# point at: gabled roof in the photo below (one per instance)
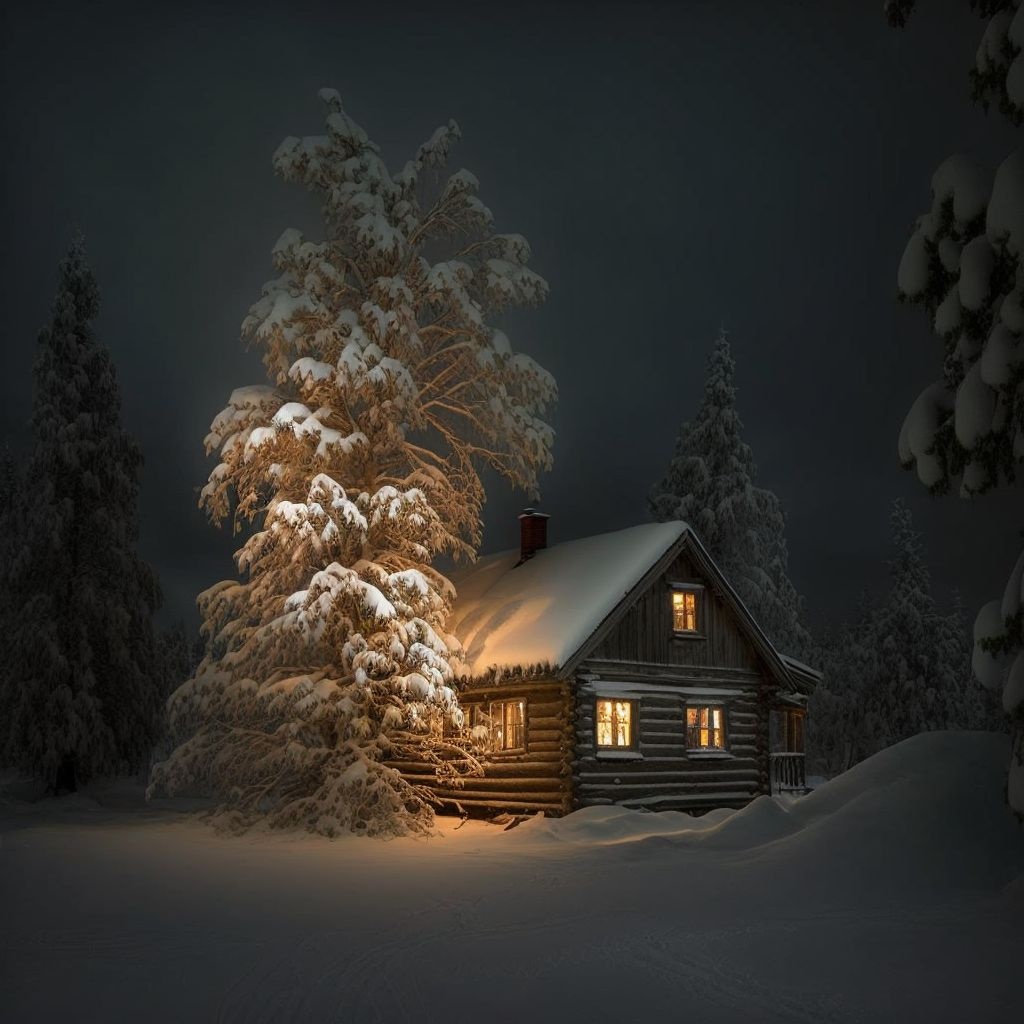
(551, 610)
(541, 613)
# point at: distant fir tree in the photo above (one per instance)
(834, 722)
(709, 483)
(919, 679)
(180, 656)
(85, 675)
(899, 668)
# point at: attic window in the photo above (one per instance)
(684, 611)
(705, 729)
(615, 725)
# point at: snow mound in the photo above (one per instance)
(928, 813)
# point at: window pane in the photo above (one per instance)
(604, 723)
(614, 723)
(678, 612)
(705, 728)
(684, 611)
(507, 721)
(515, 731)
(623, 723)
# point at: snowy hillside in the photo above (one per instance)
(894, 892)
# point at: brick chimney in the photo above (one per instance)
(533, 533)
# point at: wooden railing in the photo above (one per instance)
(787, 773)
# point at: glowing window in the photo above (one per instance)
(704, 728)
(507, 721)
(615, 723)
(684, 611)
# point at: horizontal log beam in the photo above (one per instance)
(511, 805)
(682, 786)
(552, 797)
(669, 777)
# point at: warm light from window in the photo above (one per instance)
(508, 725)
(684, 611)
(614, 723)
(704, 729)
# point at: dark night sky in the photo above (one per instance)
(673, 166)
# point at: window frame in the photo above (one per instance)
(710, 707)
(633, 749)
(476, 714)
(697, 589)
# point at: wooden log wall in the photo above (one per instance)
(538, 778)
(666, 776)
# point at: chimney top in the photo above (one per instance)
(533, 533)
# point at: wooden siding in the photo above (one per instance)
(538, 778)
(666, 775)
(645, 634)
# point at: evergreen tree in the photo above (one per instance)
(179, 655)
(835, 727)
(358, 464)
(919, 679)
(900, 667)
(709, 484)
(83, 698)
(964, 266)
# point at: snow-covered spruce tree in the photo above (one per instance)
(358, 464)
(84, 695)
(847, 659)
(916, 664)
(900, 666)
(709, 483)
(964, 265)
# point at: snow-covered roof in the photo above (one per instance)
(541, 613)
(800, 671)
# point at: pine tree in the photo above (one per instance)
(83, 699)
(964, 266)
(900, 667)
(847, 657)
(918, 682)
(709, 484)
(179, 656)
(358, 464)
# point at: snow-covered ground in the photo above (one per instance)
(895, 892)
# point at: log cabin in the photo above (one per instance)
(620, 669)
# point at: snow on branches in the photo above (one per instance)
(388, 389)
(964, 265)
